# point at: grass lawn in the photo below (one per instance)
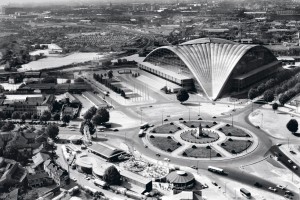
(233, 131)
(201, 152)
(195, 124)
(236, 146)
(211, 137)
(166, 128)
(165, 143)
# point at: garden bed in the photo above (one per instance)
(236, 146)
(195, 124)
(166, 128)
(164, 143)
(233, 131)
(201, 152)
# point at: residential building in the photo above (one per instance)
(59, 175)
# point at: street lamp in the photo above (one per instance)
(225, 186)
(262, 118)
(231, 119)
(199, 108)
(162, 117)
(141, 115)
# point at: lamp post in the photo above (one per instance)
(199, 108)
(141, 115)
(262, 119)
(231, 119)
(225, 186)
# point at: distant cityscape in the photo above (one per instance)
(160, 100)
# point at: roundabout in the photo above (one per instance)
(217, 141)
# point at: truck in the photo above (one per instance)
(141, 133)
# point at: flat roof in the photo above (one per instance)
(165, 71)
(285, 58)
(105, 150)
(135, 176)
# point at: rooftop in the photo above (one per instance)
(105, 150)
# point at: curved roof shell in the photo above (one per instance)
(211, 61)
(180, 178)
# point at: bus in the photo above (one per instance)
(145, 125)
(100, 183)
(245, 193)
(141, 133)
(215, 170)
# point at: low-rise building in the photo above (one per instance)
(135, 182)
(58, 174)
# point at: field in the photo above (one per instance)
(236, 146)
(164, 143)
(233, 131)
(166, 128)
(195, 124)
(201, 152)
(53, 62)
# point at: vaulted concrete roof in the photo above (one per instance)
(211, 61)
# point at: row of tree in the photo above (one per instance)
(107, 83)
(283, 81)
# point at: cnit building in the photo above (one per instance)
(212, 66)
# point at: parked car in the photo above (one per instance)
(290, 161)
(272, 189)
(194, 167)
(292, 152)
(204, 186)
(214, 183)
(295, 167)
(280, 187)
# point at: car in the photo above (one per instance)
(180, 118)
(290, 161)
(280, 187)
(74, 179)
(116, 130)
(167, 159)
(165, 120)
(214, 183)
(292, 152)
(204, 186)
(101, 130)
(63, 125)
(146, 146)
(214, 117)
(295, 167)
(272, 189)
(73, 166)
(278, 144)
(158, 155)
(258, 127)
(87, 178)
(194, 167)
(288, 193)
(151, 125)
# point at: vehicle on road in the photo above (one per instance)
(193, 167)
(288, 193)
(245, 193)
(215, 170)
(145, 125)
(204, 186)
(214, 183)
(74, 179)
(272, 189)
(290, 161)
(167, 159)
(100, 183)
(295, 167)
(141, 133)
(257, 184)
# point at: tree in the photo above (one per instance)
(2, 115)
(34, 116)
(15, 115)
(91, 126)
(275, 106)
(8, 126)
(88, 115)
(253, 93)
(112, 176)
(79, 80)
(269, 96)
(292, 126)
(46, 116)
(66, 119)
(182, 95)
(283, 99)
(104, 115)
(23, 117)
(56, 117)
(261, 88)
(110, 74)
(52, 131)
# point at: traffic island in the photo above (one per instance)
(230, 130)
(195, 124)
(201, 152)
(166, 128)
(167, 144)
(236, 146)
(192, 136)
